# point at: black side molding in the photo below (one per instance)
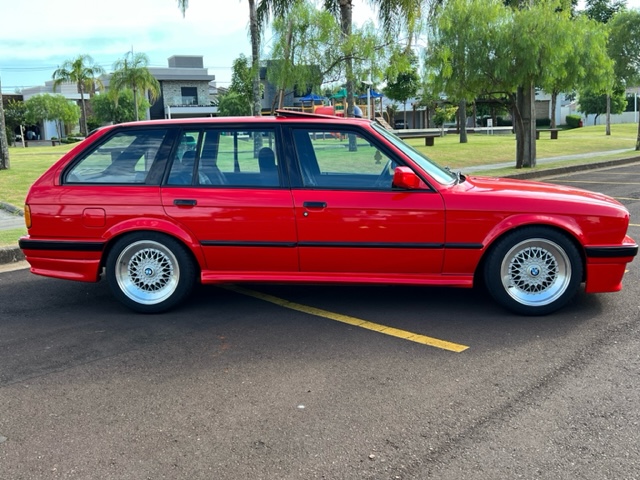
(611, 252)
(61, 246)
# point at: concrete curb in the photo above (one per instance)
(10, 255)
(550, 172)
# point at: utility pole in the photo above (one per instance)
(4, 145)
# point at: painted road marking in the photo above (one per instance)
(357, 322)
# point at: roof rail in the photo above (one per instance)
(296, 114)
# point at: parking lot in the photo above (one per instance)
(302, 382)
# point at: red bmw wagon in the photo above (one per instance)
(157, 206)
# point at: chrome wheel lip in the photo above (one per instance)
(147, 272)
(536, 272)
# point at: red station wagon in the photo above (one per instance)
(157, 206)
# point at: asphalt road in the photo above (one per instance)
(237, 387)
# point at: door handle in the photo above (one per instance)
(314, 205)
(184, 202)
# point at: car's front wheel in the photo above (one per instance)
(534, 271)
(149, 272)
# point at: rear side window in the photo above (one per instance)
(126, 157)
(226, 157)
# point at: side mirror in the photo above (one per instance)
(404, 177)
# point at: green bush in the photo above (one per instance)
(543, 122)
(573, 121)
(69, 140)
(504, 122)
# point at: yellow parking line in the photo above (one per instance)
(634, 224)
(357, 322)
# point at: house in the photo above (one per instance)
(184, 89)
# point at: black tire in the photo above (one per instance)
(533, 271)
(150, 272)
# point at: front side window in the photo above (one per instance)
(126, 157)
(342, 159)
(230, 157)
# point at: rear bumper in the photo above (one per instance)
(68, 260)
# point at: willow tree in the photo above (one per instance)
(85, 73)
(624, 48)
(484, 48)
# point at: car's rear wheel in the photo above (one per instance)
(534, 271)
(150, 272)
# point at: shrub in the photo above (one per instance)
(573, 121)
(543, 122)
(504, 122)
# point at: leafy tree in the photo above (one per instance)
(116, 106)
(303, 37)
(624, 48)
(55, 108)
(132, 72)
(233, 104)
(586, 65)
(507, 52)
(242, 85)
(405, 85)
(14, 115)
(84, 72)
(595, 102)
(603, 10)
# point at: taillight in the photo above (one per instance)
(27, 216)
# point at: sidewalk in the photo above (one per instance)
(11, 217)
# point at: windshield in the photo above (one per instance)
(438, 173)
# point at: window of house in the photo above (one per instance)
(189, 96)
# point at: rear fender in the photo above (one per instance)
(155, 225)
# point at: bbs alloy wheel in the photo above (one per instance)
(150, 272)
(534, 271)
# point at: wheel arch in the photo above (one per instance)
(568, 228)
(188, 241)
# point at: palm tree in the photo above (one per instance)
(390, 11)
(84, 72)
(254, 34)
(131, 72)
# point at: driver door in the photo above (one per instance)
(350, 219)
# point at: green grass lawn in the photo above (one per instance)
(29, 163)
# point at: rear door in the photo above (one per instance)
(227, 186)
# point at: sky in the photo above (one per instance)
(39, 39)
(42, 37)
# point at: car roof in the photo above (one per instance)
(281, 116)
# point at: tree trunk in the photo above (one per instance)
(608, 122)
(462, 111)
(526, 130)
(638, 137)
(135, 102)
(4, 146)
(83, 126)
(287, 52)
(255, 56)
(346, 21)
(554, 100)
